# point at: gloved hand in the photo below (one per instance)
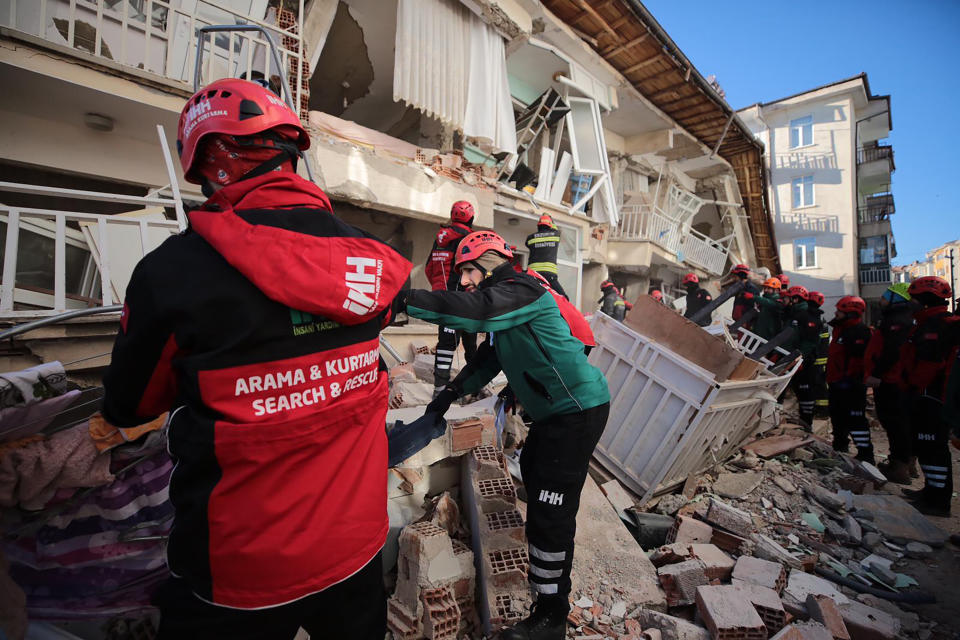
(509, 399)
(442, 402)
(748, 296)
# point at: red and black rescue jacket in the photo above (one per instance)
(929, 352)
(845, 354)
(882, 359)
(258, 328)
(439, 267)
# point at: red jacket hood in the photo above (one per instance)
(348, 278)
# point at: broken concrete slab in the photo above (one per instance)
(730, 518)
(866, 623)
(670, 504)
(671, 627)
(801, 585)
(825, 611)
(769, 549)
(670, 554)
(918, 549)
(605, 550)
(826, 498)
(727, 615)
(737, 485)
(766, 602)
(680, 581)
(763, 573)
(784, 484)
(618, 497)
(688, 531)
(803, 631)
(776, 445)
(727, 541)
(897, 520)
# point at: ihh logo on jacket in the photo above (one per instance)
(363, 284)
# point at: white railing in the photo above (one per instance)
(705, 252)
(875, 274)
(92, 253)
(647, 223)
(160, 36)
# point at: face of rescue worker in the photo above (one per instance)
(470, 277)
(769, 290)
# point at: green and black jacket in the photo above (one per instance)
(544, 246)
(530, 342)
(769, 320)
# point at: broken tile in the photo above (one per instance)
(737, 485)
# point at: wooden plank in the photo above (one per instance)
(615, 51)
(671, 90)
(596, 16)
(776, 445)
(642, 65)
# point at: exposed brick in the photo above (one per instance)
(825, 611)
(728, 615)
(508, 560)
(760, 572)
(734, 520)
(489, 463)
(803, 631)
(670, 554)
(497, 488)
(441, 615)
(766, 602)
(717, 565)
(401, 621)
(466, 435)
(632, 626)
(508, 610)
(727, 541)
(680, 581)
(686, 530)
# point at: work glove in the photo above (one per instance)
(509, 400)
(442, 402)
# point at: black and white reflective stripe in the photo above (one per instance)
(861, 438)
(545, 568)
(547, 556)
(545, 573)
(935, 476)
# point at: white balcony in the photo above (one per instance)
(875, 274)
(159, 37)
(704, 252)
(648, 223)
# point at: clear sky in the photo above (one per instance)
(762, 51)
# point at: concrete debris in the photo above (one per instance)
(826, 498)
(680, 581)
(734, 520)
(918, 550)
(727, 615)
(898, 521)
(670, 504)
(670, 554)
(766, 602)
(802, 455)
(909, 621)
(717, 565)
(760, 572)
(769, 549)
(804, 631)
(866, 623)
(785, 485)
(825, 611)
(871, 540)
(737, 485)
(854, 530)
(670, 627)
(776, 445)
(801, 585)
(687, 530)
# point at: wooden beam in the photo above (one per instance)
(695, 110)
(615, 51)
(596, 16)
(667, 105)
(642, 65)
(622, 20)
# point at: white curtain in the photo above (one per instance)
(452, 66)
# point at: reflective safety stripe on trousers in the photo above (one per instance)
(934, 475)
(539, 557)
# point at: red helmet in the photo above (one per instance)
(462, 212)
(930, 284)
(691, 277)
(798, 292)
(816, 298)
(741, 269)
(546, 221)
(852, 305)
(607, 284)
(784, 280)
(657, 295)
(233, 107)
(478, 243)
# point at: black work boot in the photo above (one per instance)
(547, 621)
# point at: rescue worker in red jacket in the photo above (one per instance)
(439, 271)
(815, 302)
(258, 330)
(697, 298)
(746, 299)
(544, 245)
(881, 370)
(848, 395)
(925, 362)
(657, 295)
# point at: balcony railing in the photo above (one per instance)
(880, 152)
(704, 252)
(58, 260)
(160, 36)
(877, 209)
(875, 274)
(645, 222)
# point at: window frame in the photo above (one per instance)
(804, 123)
(810, 248)
(802, 181)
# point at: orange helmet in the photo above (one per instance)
(773, 283)
(852, 305)
(690, 277)
(546, 221)
(233, 107)
(478, 243)
(797, 291)
(462, 212)
(930, 284)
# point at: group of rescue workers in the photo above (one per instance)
(907, 360)
(280, 517)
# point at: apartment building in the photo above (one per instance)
(830, 187)
(944, 261)
(583, 110)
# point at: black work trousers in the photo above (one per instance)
(848, 402)
(554, 283)
(931, 439)
(447, 340)
(355, 608)
(889, 402)
(554, 463)
(803, 384)
(821, 401)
